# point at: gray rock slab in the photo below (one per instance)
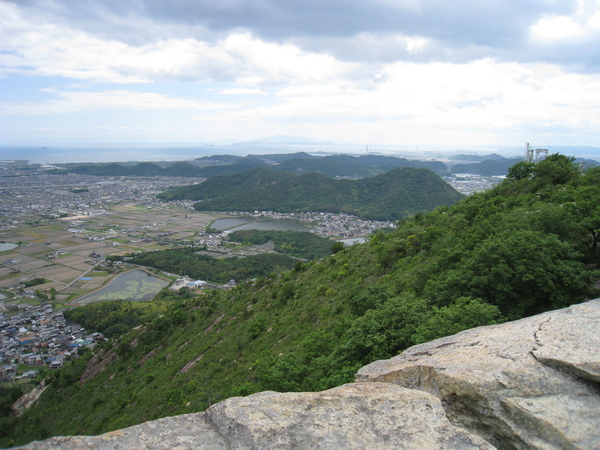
(187, 431)
(531, 383)
(353, 416)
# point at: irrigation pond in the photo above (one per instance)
(135, 285)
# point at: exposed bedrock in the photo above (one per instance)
(531, 383)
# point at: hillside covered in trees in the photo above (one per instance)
(299, 163)
(394, 195)
(527, 246)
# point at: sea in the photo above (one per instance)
(148, 152)
(57, 154)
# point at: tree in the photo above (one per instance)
(462, 314)
(555, 169)
(337, 247)
(523, 272)
(520, 171)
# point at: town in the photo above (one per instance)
(37, 337)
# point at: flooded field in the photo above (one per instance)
(5, 246)
(135, 285)
(63, 251)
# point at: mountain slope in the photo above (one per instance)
(394, 195)
(354, 166)
(515, 400)
(301, 162)
(527, 246)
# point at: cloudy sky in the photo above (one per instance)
(395, 72)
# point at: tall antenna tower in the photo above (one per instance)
(533, 155)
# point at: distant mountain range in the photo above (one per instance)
(286, 140)
(343, 166)
(394, 195)
(209, 166)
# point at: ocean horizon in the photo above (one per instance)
(88, 153)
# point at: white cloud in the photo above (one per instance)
(557, 27)
(415, 44)
(39, 48)
(72, 102)
(242, 91)
(594, 21)
(373, 70)
(438, 103)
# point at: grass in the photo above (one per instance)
(58, 306)
(31, 301)
(25, 367)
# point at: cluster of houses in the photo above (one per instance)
(334, 225)
(40, 337)
(43, 194)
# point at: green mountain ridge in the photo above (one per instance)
(529, 245)
(347, 166)
(393, 195)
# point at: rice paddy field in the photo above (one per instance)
(64, 252)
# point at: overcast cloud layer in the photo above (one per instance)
(396, 72)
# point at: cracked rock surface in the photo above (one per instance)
(353, 416)
(531, 383)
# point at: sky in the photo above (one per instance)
(369, 72)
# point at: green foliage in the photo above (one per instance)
(114, 317)
(146, 169)
(34, 282)
(521, 170)
(462, 314)
(556, 169)
(8, 395)
(522, 272)
(527, 246)
(490, 167)
(337, 247)
(186, 262)
(298, 244)
(333, 166)
(354, 166)
(393, 195)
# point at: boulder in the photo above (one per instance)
(531, 383)
(353, 416)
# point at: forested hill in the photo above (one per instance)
(394, 195)
(147, 169)
(211, 166)
(354, 166)
(527, 246)
(299, 163)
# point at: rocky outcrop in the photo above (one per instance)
(29, 399)
(356, 415)
(531, 383)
